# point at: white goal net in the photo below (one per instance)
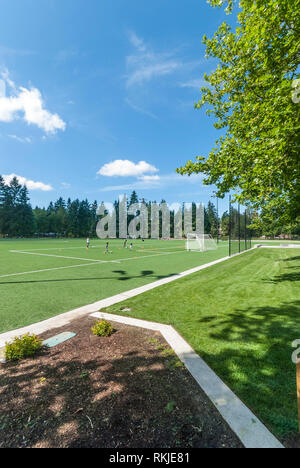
(200, 242)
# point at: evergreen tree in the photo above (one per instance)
(225, 224)
(133, 198)
(212, 219)
(16, 216)
(25, 221)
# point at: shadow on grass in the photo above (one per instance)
(251, 350)
(286, 277)
(123, 277)
(290, 259)
(293, 276)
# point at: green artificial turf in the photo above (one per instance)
(241, 317)
(45, 281)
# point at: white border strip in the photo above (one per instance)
(248, 428)
(285, 246)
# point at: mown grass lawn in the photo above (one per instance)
(241, 317)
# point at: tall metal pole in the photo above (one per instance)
(239, 214)
(246, 240)
(218, 223)
(229, 237)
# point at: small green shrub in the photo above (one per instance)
(102, 328)
(22, 347)
(170, 407)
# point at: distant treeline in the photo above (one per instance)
(71, 218)
(75, 218)
(18, 218)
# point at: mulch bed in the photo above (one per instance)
(292, 441)
(124, 391)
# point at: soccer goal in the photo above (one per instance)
(200, 242)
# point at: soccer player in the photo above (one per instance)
(106, 248)
(88, 243)
(125, 244)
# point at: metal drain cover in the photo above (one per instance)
(57, 339)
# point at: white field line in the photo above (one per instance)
(156, 250)
(148, 256)
(48, 269)
(52, 248)
(93, 262)
(58, 256)
(92, 247)
(164, 248)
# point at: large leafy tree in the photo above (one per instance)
(252, 97)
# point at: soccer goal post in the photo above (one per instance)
(200, 242)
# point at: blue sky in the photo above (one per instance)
(97, 97)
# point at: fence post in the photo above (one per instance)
(229, 226)
(239, 214)
(246, 243)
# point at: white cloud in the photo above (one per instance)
(158, 182)
(28, 104)
(149, 178)
(137, 41)
(139, 109)
(145, 64)
(5, 75)
(149, 67)
(9, 51)
(19, 139)
(196, 84)
(66, 54)
(30, 184)
(126, 168)
(2, 88)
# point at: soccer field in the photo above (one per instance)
(43, 278)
